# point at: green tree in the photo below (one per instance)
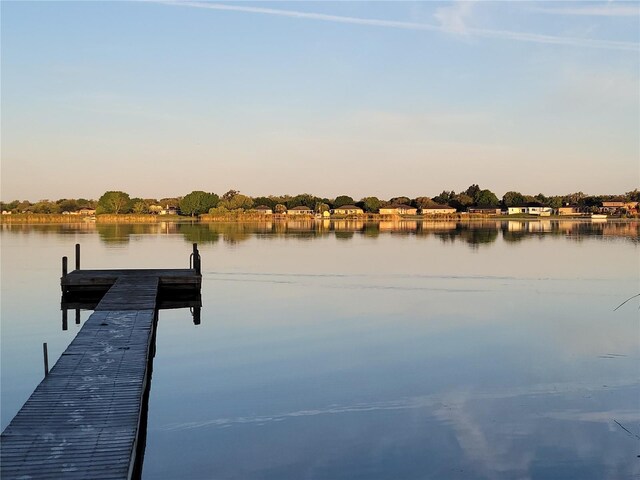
(400, 201)
(423, 202)
(198, 202)
(321, 207)
(45, 206)
(461, 201)
(473, 191)
(268, 201)
(632, 196)
(230, 194)
(486, 198)
(370, 204)
(513, 199)
(236, 202)
(303, 199)
(65, 205)
(342, 200)
(280, 208)
(445, 197)
(574, 199)
(139, 206)
(114, 202)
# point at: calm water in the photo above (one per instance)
(345, 351)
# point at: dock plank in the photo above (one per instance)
(82, 420)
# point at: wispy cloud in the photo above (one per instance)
(453, 17)
(610, 10)
(448, 25)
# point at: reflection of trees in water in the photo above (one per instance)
(121, 232)
(479, 236)
(114, 232)
(341, 235)
(472, 233)
(198, 233)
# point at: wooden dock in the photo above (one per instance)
(87, 418)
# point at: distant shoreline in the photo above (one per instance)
(45, 218)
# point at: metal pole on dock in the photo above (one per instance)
(77, 256)
(64, 266)
(46, 359)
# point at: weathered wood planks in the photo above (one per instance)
(82, 420)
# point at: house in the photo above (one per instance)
(484, 210)
(532, 208)
(348, 210)
(169, 210)
(398, 210)
(438, 210)
(538, 209)
(618, 206)
(516, 210)
(301, 210)
(264, 210)
(87, 211)
(568, 210)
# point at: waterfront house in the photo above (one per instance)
(87, 211)
(438, 210)
(532, 208)
(568, 210)
(169, 210)
(301, 210)
(264, 210)
(348, 210)
(484, 210)
(618, 206)
(398, 210)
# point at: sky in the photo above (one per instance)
(159, 98)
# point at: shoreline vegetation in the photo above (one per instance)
(474, 202)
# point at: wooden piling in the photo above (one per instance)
(64, 266)
(77, 256)
(45, 353)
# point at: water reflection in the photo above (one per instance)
(331, 350)
(473, 233)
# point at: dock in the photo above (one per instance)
(87, 418)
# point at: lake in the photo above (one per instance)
(345, 350)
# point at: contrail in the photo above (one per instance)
(478, 32)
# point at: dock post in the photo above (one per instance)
(46, 359)
(77, 316)
(196, 258)
(77, 256)
(64, 266)
(65, 324)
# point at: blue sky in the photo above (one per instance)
(359, 98)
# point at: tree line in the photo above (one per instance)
(198, 202)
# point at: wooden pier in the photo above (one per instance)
(87, 418)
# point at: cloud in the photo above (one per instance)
(628, 10)
(453, 18)
(450, 22)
